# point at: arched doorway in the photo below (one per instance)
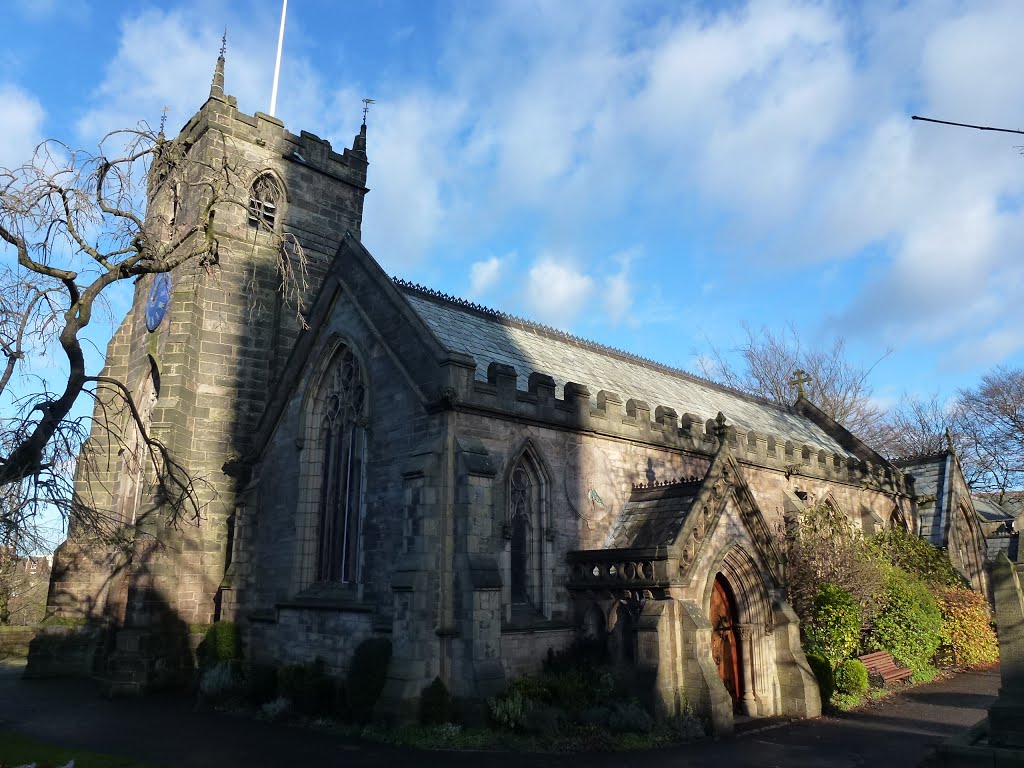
(725, 640)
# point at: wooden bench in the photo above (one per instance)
(883, 665)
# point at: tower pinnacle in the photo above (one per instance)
(217, 87)
(359, 145)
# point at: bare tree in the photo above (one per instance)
(990, 424)
(77, 223)
(983, 424)
(837, 386)
(24, 580)
(918, 426)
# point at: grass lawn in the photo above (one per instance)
(16, 749)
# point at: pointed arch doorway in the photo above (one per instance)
(725, 639)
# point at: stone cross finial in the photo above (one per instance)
(800, 378)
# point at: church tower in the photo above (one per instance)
(200, 349)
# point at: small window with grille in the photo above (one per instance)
(264, 197)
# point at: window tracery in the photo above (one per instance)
(528, 539)
(521, 518)
(342, 443)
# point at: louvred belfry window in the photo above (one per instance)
(342, 441)
(264, 198)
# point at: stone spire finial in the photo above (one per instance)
(217, 87)
(721, 428)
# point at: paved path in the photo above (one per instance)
(164, 730)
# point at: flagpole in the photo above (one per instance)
(277, 64)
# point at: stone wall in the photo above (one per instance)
(212, 362)
(275, 591)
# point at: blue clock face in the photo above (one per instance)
(159, 298)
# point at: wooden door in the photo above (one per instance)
(725, 648)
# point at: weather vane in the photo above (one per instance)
(366, 108)
(224, 43)
(163, 118)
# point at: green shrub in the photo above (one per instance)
(569, 681)
(545, 719)
(852, 678)
(924, 675)
(844, 701)
(535, 688)
(968, 638)
(276, 709)
(509, 710)
(822, 669)
(307, 687)
(834, 628)
(630, 718)
(435, 704)
(909, 624)
(222, 684)
(221, 643)
(366, 677)
(917, 557)
(260, 684)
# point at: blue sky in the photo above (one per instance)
(647, 174)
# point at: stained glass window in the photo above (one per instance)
(341, 438)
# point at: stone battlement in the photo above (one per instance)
(606, 413)
(262, 130)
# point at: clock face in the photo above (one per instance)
(159, 298)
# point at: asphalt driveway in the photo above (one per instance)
(166, 730)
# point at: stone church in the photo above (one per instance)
(475, 487)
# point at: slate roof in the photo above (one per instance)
(489, 336)
(989, 511)
(926, 471)
(654, 516)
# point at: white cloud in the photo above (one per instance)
(167, 58)
(618, 297)
(483, 275)
(618, 291)
(21, 118)
(988, 349)
(556, 292)
(406, 144)
(782, 124)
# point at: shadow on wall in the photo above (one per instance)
(122, 632)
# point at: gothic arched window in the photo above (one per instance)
(341, 439)
(527, 534)
(264, 200)
(524, 536)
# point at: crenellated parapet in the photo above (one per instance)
(610, 414)
(266, 131)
